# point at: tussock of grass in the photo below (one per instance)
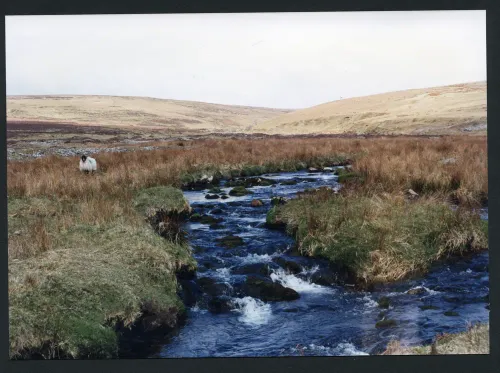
(380, 238)
(475, 340)
(161, 198)
(66, 299)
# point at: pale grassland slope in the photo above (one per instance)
(142, 112)
(451, 109)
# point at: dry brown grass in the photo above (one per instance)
(68, 232)
(388, 165)
(393, 164)
(475, 340)
(453, 167)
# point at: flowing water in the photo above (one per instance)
(325, 320)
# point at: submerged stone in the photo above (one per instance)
(212, 196)
(267, 290)
(230, 241)
(262, 269)
(207, 219)
(386, 323)
(383, 302)
(325, 277)
(416, 291)
(220, 304)
(289, 182)
(239, 191)
(256, 203)
(288, 265)
(428, 307)
(212, 287)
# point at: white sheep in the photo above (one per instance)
(88, 164)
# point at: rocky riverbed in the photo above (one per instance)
(254, 295)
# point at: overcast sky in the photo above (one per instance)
(281, 60)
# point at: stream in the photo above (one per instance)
(327, 320)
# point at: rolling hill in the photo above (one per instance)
(450, 109)
(138, 112)
(453, 109)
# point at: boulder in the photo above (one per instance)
(411, 193)
(324, 276)
(212, 196)
(384, 302)
(288, 265)
(416, 291)
(190, 292)
(230, 241)
(207, 219)
(221, 304)
(212, 287)
(216, 226)
(239, 191)
(449, 161)
(263, 269)
(256, 203)
(267, 290)
(289, 182)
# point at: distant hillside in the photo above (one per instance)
(137, 112)
(451, 109)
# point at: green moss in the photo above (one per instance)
(161, 198)
(239, 191)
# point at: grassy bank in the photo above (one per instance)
(83, 255)
(475, 340)
(380, 238)
(78, 268)
(84, 251)
(375, 228)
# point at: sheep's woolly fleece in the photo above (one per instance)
(90, 164)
